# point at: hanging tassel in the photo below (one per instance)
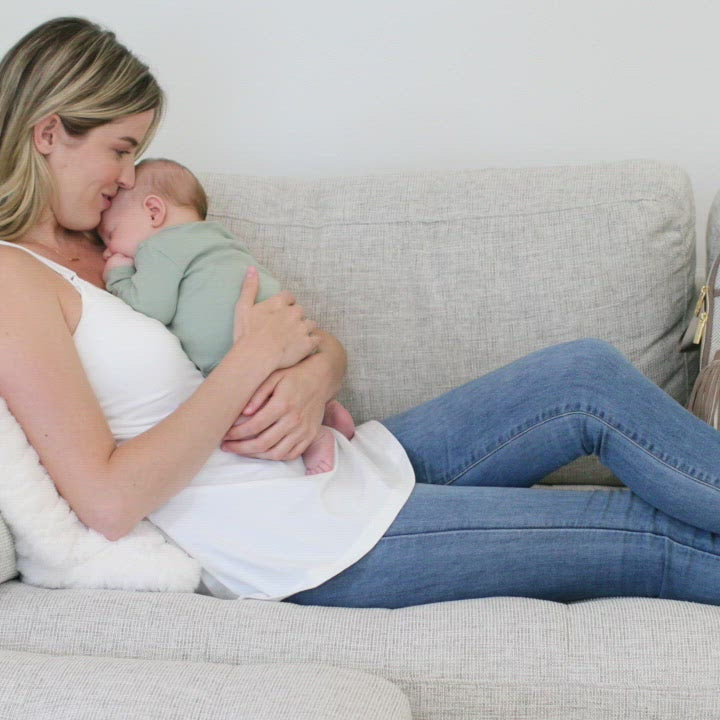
(705, 398)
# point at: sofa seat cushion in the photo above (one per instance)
(495, 657)
(44, 687)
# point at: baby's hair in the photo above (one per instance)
(172, 182)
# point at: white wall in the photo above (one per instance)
(329, 87)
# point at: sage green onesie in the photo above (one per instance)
(189, 278)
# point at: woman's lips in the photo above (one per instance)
(107, 201)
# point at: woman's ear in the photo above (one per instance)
(46, 134)
(156, 208)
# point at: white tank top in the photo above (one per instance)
(260, 529)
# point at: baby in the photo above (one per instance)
(166, 261)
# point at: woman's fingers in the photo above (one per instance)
(261, 395)
(289, 448)
(287, 297)
(278, 322)
(246, 300)
(266, 426)
(250, 287)
(273, 444)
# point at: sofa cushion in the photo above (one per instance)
(496, 657)
(43, 687)
(432, 279)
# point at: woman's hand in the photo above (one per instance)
(282, 418)
(277, 325)
(284, 414)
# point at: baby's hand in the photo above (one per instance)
(115, 260)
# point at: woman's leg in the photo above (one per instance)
(452, 543)
(517, 424)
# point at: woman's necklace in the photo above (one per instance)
(74, 258)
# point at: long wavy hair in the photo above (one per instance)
(78, 70)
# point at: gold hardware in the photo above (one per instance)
(702, 322)
(703, 294)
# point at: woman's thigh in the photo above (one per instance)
(452, 543)
(517, 424)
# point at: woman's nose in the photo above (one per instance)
(127, 177)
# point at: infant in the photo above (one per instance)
(166, 261)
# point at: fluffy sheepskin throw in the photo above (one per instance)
(54, 549)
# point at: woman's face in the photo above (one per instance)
(89, 169)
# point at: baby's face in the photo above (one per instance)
(125, 224)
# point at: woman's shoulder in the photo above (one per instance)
(14, 258)
(34, 295)
(19, 265)
(27, 281)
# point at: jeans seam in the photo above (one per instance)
(666, 538)
(666, 568)
(586, 414)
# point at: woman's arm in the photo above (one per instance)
(287, 410)
(112, 488)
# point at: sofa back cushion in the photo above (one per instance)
(432, 279)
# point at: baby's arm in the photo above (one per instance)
(150, 285)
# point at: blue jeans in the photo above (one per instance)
(473, 527)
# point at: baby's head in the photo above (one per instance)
(165, 193)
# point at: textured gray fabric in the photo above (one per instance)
(43, 687)
(431, 280)
(713, 231)
(7, 553)
(496, 657)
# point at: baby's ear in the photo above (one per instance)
(156, 208)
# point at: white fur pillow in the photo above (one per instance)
(54, 549)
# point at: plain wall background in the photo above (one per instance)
(339, 87)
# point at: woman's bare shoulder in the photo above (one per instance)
(33, 297)
(22, 273)
(16, 259)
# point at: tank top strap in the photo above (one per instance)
(70, 275)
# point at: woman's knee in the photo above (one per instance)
(594, 348)
(593, 361)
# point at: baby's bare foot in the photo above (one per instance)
(322, 467)
(320, 454)
(337, 416)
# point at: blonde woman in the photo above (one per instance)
(430, 505)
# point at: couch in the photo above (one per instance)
(491, 264)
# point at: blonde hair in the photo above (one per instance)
(172, 182)
(75, 68)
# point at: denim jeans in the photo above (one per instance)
(473, 527)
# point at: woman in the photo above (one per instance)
(365, 535)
